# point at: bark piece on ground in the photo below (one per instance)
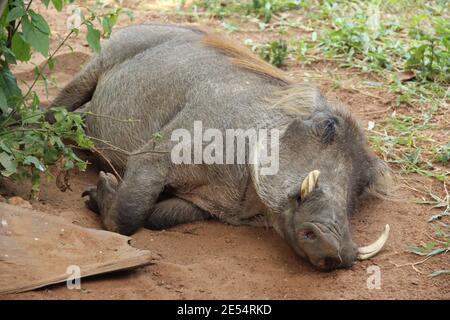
(36, 250)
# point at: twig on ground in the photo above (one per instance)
(412, 264)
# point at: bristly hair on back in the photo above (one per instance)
(244, 58)
(297, 99)
(291, 97)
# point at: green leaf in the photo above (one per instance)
(157, 136)
(4, 147)
(9, 86)
(46, 3)
(436, 252)
(59, 4)
(439, 273)
(20, 47)
(51, 63)
(426, 250)
(55, 140)
(9, 55)
(35, 183)
(35, 161)
(417, 250)
(93, 38)
(35, 37)
(39, 22)
(51, 155)
(130, 14)
(416, 58)
(15, 13)
(68, 165)
(107, 25)
(3, 102)
(8, 163)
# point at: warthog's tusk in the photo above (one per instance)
(372, 249)
(309, 183)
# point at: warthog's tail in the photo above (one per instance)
(81, 88)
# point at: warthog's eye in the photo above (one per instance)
(295, 195)
(306, 235)
(298, 197)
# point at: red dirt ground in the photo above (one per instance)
(212, 260)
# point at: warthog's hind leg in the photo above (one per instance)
(174, 211)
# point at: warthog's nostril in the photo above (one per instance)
(330, 263)
(306, 235)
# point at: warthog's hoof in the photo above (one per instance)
(91, 203)
(107, 185)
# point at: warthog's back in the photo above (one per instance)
(165, 77)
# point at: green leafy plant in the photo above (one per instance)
(442, 153)
(428, 249)
(430, 55)
(263, 9)
(440, 246)
(29, 144)
(274, 52)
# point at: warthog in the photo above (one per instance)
(165, 77)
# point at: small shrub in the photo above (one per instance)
(29, 144)
(275, 52)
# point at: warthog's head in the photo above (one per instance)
(325, 166)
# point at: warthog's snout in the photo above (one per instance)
(327, 250)
(323, 247)
(318, 227)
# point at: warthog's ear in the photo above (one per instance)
(323, 125)
(318, 124)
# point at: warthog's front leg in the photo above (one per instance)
(101, 197)
(125, 208)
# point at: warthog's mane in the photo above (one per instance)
(243, 57)
(291, 97)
